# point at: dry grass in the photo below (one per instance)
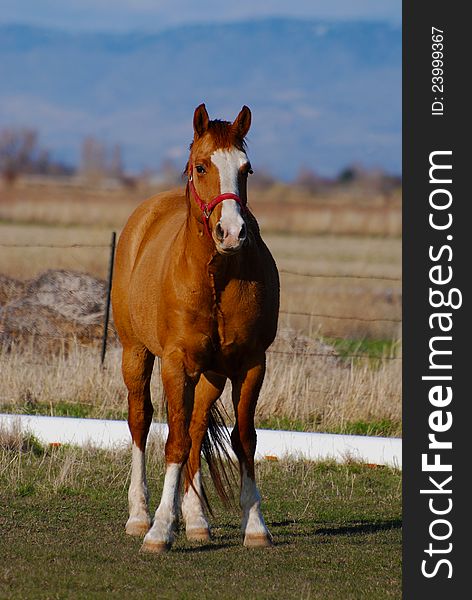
(54, 204)
(62, 467)
(279, 208)
(27, 250)
(343, 297)
(322, 394)
(326, 216)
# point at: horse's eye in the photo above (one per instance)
(250, 171)
(200, 169)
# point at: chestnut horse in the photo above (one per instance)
(196, 285)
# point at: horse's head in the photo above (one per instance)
(218, 168)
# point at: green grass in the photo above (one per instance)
(58, 409)
(337, 530)
(283, 423)
(374, 348)
(382, 427)
(63, 409)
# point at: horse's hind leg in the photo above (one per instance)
(137, 367)
(207, 391)
(246, 390)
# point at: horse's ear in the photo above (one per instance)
(242, 123)
(200, 120)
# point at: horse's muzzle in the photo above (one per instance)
(229, 240)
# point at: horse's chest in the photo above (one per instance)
(237, 314)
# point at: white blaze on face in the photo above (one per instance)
(228, 163)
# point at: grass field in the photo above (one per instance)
(337, 531)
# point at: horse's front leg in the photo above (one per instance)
(246, 388)
(179, 389)
(208, 390)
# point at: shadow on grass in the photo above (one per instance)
(310, 530)
(286, 533)
(206, 547)
(361, 528)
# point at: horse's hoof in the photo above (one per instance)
(137, 527)
(152, 547)
(198, 534)
(258, 540)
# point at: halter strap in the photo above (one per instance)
(207, 209)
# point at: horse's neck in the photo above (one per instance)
(197, 246)
(199, 249)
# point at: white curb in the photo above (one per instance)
(270, 444)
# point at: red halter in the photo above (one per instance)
(207, 209)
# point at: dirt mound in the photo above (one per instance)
(53, 310)
(296, 342)
(10, 289)
(75, 296)
(292, 342)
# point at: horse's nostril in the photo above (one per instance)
(242, 233)
(220, 234)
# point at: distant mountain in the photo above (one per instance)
(323, 95)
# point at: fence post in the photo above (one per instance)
(107, 306)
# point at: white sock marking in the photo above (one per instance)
(166, 514)
(253, 521)
(138, 495)
(192, 509)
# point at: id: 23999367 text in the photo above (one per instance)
(437, 71)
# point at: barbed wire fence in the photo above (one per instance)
(313, 275)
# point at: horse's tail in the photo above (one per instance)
(216, 451)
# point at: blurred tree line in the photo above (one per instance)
(21, 154)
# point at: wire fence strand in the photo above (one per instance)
(54, 245)
(339, 275)
(294, 353)
(282, 311)
(345, 317)
(285, 271)
(331, 355)
(84, 342)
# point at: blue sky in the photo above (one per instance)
(42, 100)
(154, 15)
